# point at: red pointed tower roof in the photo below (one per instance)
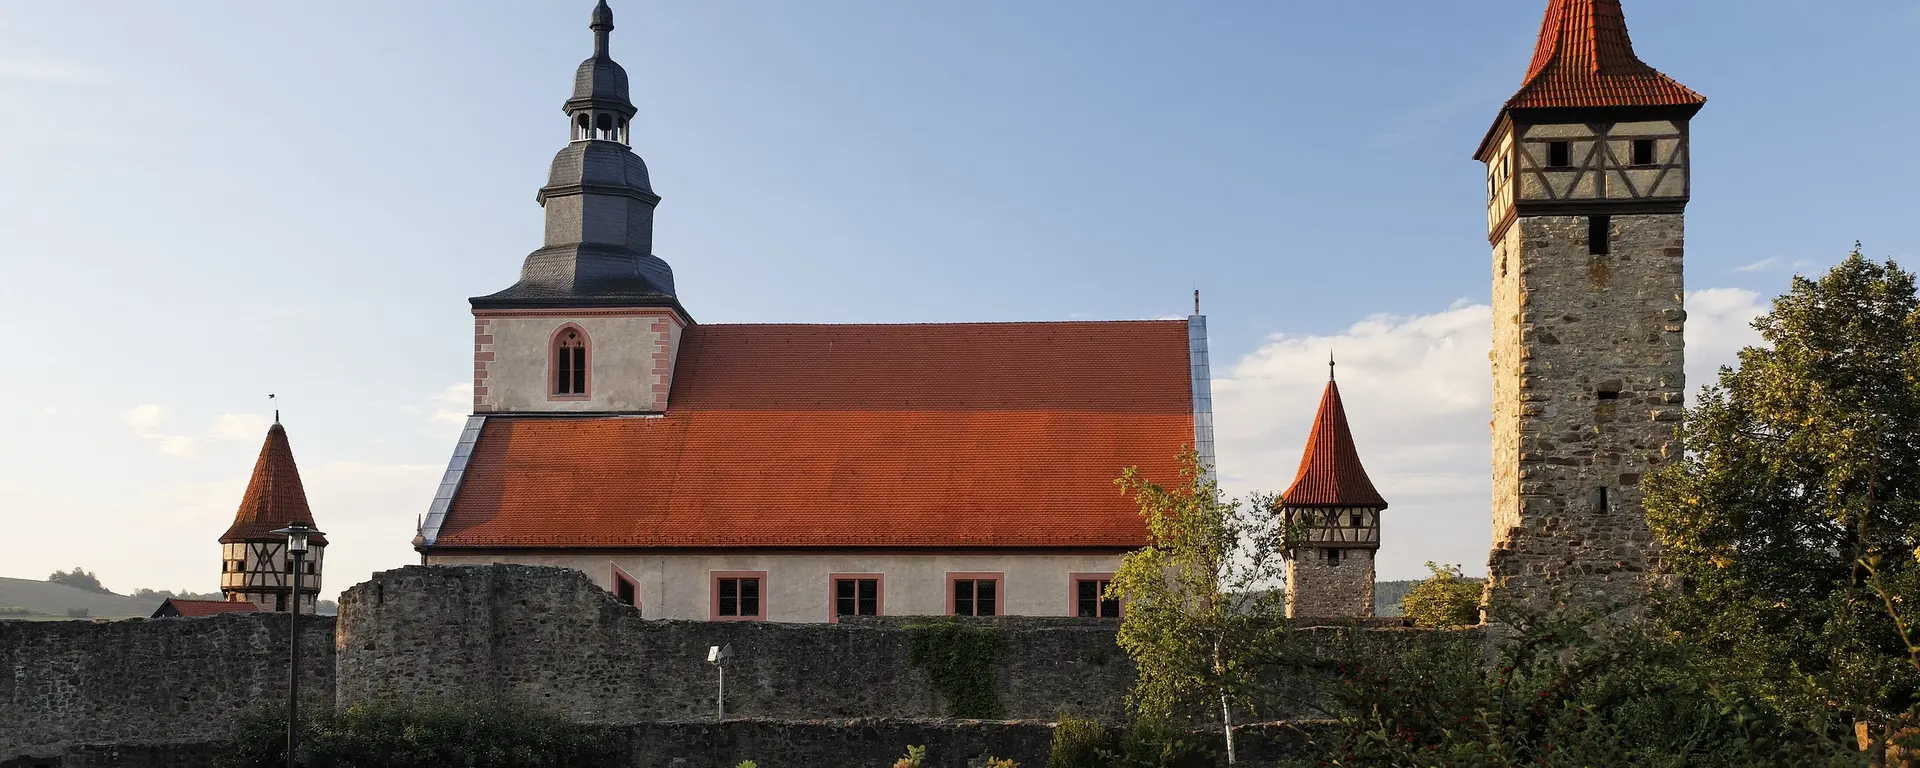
(274, 497)
(1330, 472)
(1585, 59)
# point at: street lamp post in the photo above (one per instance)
(297, 535)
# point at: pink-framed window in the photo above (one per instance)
(625, 587)
(975, 594)
(739, 595)
(570, 365)
(1089, 596)
(856, 594)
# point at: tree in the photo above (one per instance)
(1445, 599)
(1194, 633)
(79, 579)
(1792, 518)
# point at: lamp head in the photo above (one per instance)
(297, 536)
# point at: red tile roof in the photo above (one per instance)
(176, 607)
(1585, 59)
(274, 497)
(991, 435)
(1330, 472)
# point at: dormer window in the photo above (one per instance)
(570, 362)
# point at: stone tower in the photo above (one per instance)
(1332, 515)
(1587, 185)
(255, 566)
(593, 324)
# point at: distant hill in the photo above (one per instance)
(1387, 594)
(54, 600)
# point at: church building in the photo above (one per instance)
(792, 472)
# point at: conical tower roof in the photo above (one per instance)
(1330, 472)
(275, 499)
(1585, 59)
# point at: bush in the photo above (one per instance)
(1156, 745)
(916, 755)
(963, 663)
(1078, 743)
(449, 733)
(1445, 599)
(78, 613)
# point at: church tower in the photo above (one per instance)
(255, 566)
(1332, 516)
(1587, 185)
(593, 325)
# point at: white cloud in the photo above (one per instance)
(28, 66)
(452, 406)
(145, 419)
(243, 427)
(1418, 393)
(1763, 264)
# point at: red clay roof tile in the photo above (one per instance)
(989, 435)
(1330, 473)
(275, 498)
(1585, 59)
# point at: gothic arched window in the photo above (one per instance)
(570, 362)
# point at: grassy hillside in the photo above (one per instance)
(54, 600)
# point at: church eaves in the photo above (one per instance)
(274, 499)
(1330, 473)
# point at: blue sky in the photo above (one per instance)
(204, 203)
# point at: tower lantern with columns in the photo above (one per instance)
(255, 566)
(1588, 178)
(1332, 517)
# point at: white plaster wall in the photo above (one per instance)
(622, 371)
(797, 585)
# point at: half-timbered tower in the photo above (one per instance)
(1587, 183)
(255, 566)
(1332, 517)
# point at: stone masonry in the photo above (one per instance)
(1589, 387)
(1318, 589)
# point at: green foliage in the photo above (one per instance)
(1078, 743)
(79, 579)
(1560, 696)
(747, 764)
(963, 661)
(14, 610)
(1147, 744)
(1445, 599)
(1001, 762)
(476, 735)
(1791, 517)
(78, 613)
(1198, 612)
(916, 755)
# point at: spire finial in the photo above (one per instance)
(1196, 301)
(1329, 365)
(602, 26)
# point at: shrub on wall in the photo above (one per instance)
(1445, 599)
(963, 661)
(448, 733)
(1078, 743)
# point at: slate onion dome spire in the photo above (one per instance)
(599, 203)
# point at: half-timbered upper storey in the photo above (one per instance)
(1593, 129)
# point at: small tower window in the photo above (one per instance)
(582, 128)
(1599, 234)
(1333, 558)
(1559, 154)
(1643, 151)
(570, 362)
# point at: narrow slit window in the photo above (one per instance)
(1643, 151)
(1601, 499)
(1333, 557)
(1609, 394)
(1599, 235)
(570, 363)
(1559, 154)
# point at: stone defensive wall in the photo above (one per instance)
(156, 692)
(68, 683)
